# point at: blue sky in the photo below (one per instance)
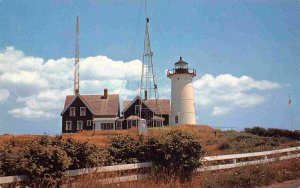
(246, 54)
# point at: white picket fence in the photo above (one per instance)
(231, 161)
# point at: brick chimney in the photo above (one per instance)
(105, 93)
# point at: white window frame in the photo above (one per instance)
(68, 126)
(137, 110)
(80, 121)
(83, 113)
(72, 109)
(89, 123)
(108, 126)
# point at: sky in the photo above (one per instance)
(246, 54)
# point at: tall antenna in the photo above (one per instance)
(148, 85)
(76, 72)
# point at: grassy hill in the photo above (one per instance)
(214, 141)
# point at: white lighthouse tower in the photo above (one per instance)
(182, 94)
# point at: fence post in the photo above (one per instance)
(234, 161)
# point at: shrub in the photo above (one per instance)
(127, 149)
(82, 154)
(44, 165)
(174, 154)
(224, 146)
(9, 159)
(46, 159)
(272, 132)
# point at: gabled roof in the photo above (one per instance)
(163, 105)
(96, 104)
(130, 102)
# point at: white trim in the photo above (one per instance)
(89, 123)
(137, 97)
(67, 126)
(82, 114)
(107, 126)
(105, 119)
(137, 112)
(71, 114)
(75, 97)
(80, 121)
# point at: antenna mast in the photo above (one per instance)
(76, 72)
(148, 85)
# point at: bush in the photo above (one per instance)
(272, 132)
(246, 142)
(174, 154)
(127, 149)
(82, 154)
(46, 159)
(44, 165)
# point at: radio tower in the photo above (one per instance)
(148, 85)
(76, 72)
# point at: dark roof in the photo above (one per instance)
(181, 62)
(97, 104)
(162, 104)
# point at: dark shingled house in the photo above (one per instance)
(155, 112)
(87, 112)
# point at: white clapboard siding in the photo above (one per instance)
(245, 155)
(265, 154)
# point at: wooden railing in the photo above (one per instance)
(232, 161)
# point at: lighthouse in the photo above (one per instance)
(182, 94)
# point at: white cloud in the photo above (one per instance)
(218, 110)
(4, 94)
(225, 93)
(28, 113)
(40, 86)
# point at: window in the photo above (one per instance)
(79, 125)
(107, 126)
(68, 125)
(89, 122)
(82, 111)
(176, 119)
(72, 111)
(137, 109)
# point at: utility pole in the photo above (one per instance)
(291, 112)
(76, 72)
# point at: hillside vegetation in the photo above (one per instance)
(175, 152)
(214, 141)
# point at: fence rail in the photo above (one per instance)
(288, 153)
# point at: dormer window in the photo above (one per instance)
(72, 111)
(82, 111)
